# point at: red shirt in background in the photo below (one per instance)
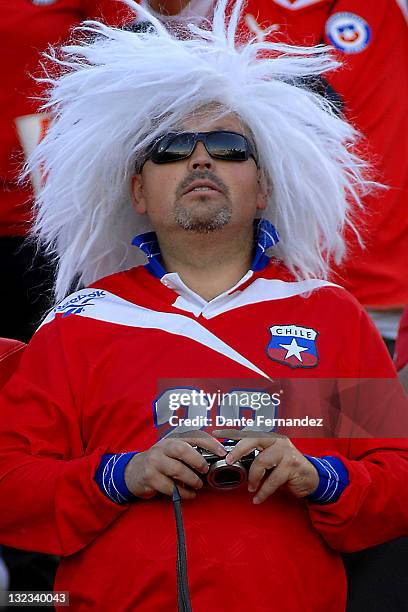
(27, 27)
(371, 39)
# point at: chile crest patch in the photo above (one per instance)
(348, 32)
(293, 345)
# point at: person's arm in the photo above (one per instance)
(49, 499)
(364, 499)
(362, 502)
(373, 508)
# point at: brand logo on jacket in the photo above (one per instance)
(293, 345)
(348, 32)
(79, 303)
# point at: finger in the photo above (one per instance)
(268, 459)
(185, 493)
(248, 441)
(159, 483)
(187, 454)
(242, 448)
(276, 479)
(203, 440)
(176, 470)
(255, 476)
(180, 449)
(164, 484)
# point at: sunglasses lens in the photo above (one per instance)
(228, 146)
(219, 144)
(173, 147)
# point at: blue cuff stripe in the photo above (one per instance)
(110, 477)
(333, 479)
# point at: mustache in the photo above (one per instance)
(201, 175)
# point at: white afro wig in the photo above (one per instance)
(117, 91)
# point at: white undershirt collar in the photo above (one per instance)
(190, 301)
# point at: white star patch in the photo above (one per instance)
(294, 349)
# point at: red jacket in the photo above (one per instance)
(90, 382)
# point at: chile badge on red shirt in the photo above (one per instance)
(293, 345)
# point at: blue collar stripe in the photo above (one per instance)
(149, 244)
(266, 236)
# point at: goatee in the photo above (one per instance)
(205, 215)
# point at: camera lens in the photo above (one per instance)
(223, 476)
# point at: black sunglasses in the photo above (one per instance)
(220, 144)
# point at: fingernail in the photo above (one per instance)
(257, 500)
(251, 488)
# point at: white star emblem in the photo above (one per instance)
(293, 349)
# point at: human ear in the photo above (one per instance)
(138, 200)
(264, 192)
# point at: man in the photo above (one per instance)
(196, 148)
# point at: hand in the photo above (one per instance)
(277, 453)
(155, 470)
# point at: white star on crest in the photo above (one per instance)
(293, 349)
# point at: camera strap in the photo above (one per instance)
(183, 594)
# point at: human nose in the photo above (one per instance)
(200, 159)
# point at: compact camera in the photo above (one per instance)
(224, 476)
